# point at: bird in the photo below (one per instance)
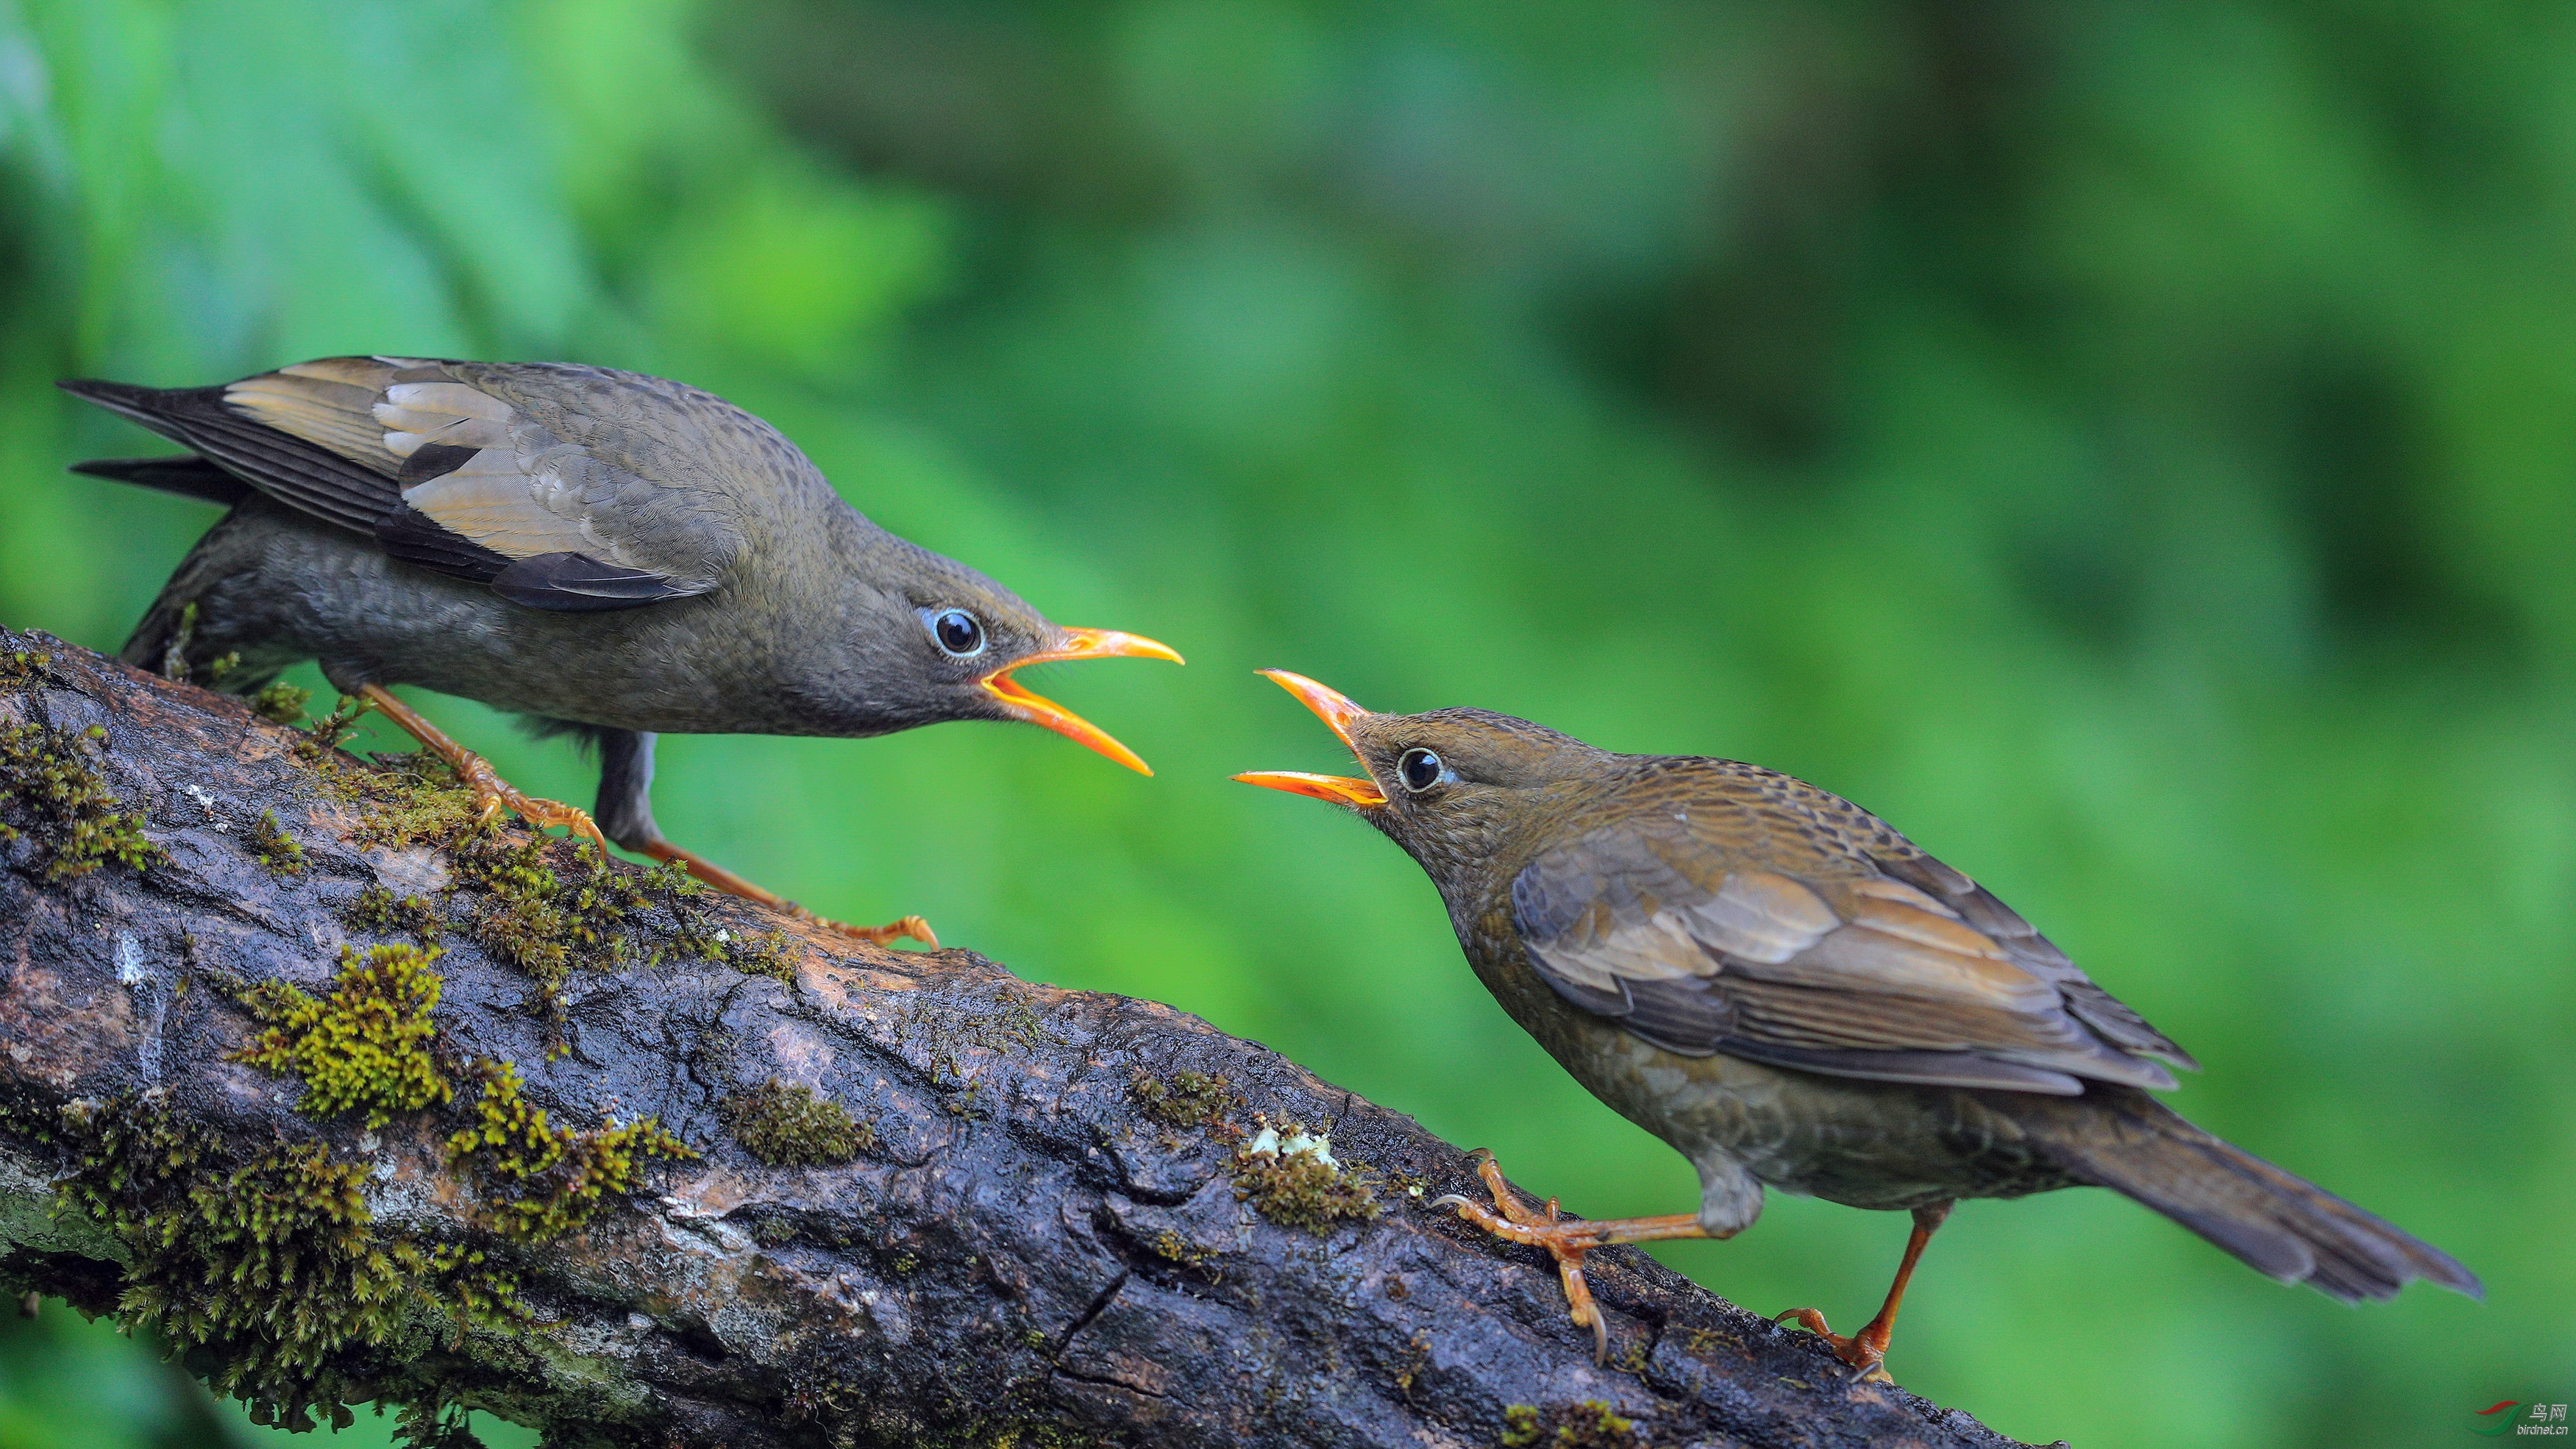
(1793, 995)
(611, 555)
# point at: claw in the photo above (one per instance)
(1866, 1350)
(492, 794)
(885, 935)
(1509, 1218)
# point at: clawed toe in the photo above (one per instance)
(1509, 1218)
(492, 794)
(885, 935)
(1864, 1356)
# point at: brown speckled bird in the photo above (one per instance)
(1791, 994)
(614, 555)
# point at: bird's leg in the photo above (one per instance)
(492, 794)
(1867, 1349)
(626, 813)
(1566, 1241)
(734, 885)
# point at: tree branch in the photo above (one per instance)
(989, 1211)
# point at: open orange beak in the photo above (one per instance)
(1020, 703)
(1336, 710)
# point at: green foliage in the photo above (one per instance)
(367, 1045)
(791, 1125)
(51, 785)
(538, 1181)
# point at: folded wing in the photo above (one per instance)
(460, 468)
(1877, 963)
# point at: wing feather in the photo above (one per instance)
(1827, 964)
(565, 487)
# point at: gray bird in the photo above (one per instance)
(614, 555)
(1791, 994)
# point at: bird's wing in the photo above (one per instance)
(1660, 922)
(561, 487)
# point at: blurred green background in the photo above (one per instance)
(2132, 447)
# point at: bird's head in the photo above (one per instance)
(967, 634)
(1457, 788)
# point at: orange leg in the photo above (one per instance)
(1865, 1350)
(731, 884)
(1566, 1240)
(492, 794)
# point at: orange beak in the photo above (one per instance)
(1019, 702)
(1336, 710)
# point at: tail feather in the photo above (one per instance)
(2280, 1225)
(185, 474)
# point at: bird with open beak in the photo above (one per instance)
(614, 555)
(1793, 995)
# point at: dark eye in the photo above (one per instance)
(958, 633)
(1420, 769)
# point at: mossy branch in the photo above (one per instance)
(647, 1166)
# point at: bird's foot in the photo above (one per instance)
(1865, 1351)
(734, 885)
(885, 935)
(492, 794)
(1565, 1240)
(1511, 1219)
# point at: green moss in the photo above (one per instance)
(174, 650)
(539, 1181)
(21, 667)
(281, 702)
(434, 1426)
(793, 1126)
(379, 912)
(331, 729)
(272, 1259)
(367, 1046)
(766, 954)
(1183, 1099)
(946, 1033)
(53, 789)
(1171, 1245)
(1291, 1177)
(280, 852)
(1587, 1425)
(407, 799)
(548, 926)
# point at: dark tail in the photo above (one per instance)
(185, 474)
(162, 409)
(167, 411)
(2282, 1226)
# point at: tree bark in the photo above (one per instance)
(1044, 1236)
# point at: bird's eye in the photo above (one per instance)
(958, 633)
(1421, 770)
